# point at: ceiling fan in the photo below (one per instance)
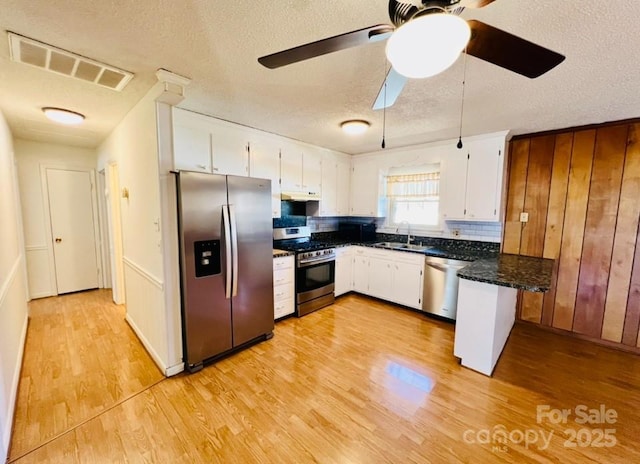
(421, 27)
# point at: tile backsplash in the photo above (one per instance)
(458, 230)
(467, 230)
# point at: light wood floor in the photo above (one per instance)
(358, 382)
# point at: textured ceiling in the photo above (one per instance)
(216, 44)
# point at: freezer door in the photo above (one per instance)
(252, 301)
(206, 311)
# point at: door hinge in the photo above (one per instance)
(495, 211)
(468, 156)
(420, 272)
(419, 301)
(499, 152)
(465, 211)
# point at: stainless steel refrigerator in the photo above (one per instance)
(226, 260)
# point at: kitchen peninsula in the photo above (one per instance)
(487, 298)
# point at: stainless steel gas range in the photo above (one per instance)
(315, 267)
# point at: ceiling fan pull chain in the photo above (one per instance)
(384, 109)
(464, 80)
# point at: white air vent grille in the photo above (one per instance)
(41, 55)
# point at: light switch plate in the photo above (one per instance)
(524, 217)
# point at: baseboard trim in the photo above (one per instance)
(154, 355)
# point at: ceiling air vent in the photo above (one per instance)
(41, 55)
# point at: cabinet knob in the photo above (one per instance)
(58, 240)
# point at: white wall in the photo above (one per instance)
(133, 146)
(30, 156)
(13, 296)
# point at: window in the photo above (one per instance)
(413, 196)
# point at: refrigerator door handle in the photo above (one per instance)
(227, 246)
(234, 248)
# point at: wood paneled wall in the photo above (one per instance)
(581, 189)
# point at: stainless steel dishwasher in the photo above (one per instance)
(441, 286)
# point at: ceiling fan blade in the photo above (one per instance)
(474, 3)
(395, 83)
(324, 46)
(509, 51)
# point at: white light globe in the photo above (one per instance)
(427, 45)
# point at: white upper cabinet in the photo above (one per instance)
(365, 178)
(472, 183)
(191, 141)
(312, 170)
(229, 148)
(484, 180)
(264, 163)
(329, 200)
(291, 168)
(203, 143)
(344, 185)
(301, 168)
(336, 179)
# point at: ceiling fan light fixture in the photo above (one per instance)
(427, 45)
(62, 116)
(355, 126)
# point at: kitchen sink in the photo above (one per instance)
(402, 246)
(389, 244)
(413, 246)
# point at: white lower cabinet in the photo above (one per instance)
(283, 286)
(344, 271)
(395, 276)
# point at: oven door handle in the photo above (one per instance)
(311, 262)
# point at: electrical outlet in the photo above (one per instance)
(455, 232)
(524, 217)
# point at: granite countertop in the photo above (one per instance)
(439, 251)
(515, 271)
(280, 253)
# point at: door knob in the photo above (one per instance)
(58, 240)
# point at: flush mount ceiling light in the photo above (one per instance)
(355, 127)
(63, 116)
(428, 44)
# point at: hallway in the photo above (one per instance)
(81, 358)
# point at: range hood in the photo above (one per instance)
(300, 196)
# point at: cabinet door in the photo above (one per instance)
(380, 278)
(291, 168)
(407, 284)
(191, 142)
(264, 163)
(344, 267)
(484, 180)
(312, 171)
(343, 178)
(453, 190)
(329, 199)
(360, 274)
(364, 188)
(229, 148)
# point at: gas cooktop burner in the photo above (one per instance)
(304, 246)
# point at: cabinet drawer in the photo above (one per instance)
(282, 276)
(283, 292)
(285, 262)
(283, 308)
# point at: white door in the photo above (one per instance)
(72, 229)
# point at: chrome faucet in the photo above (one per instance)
(408, 231)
